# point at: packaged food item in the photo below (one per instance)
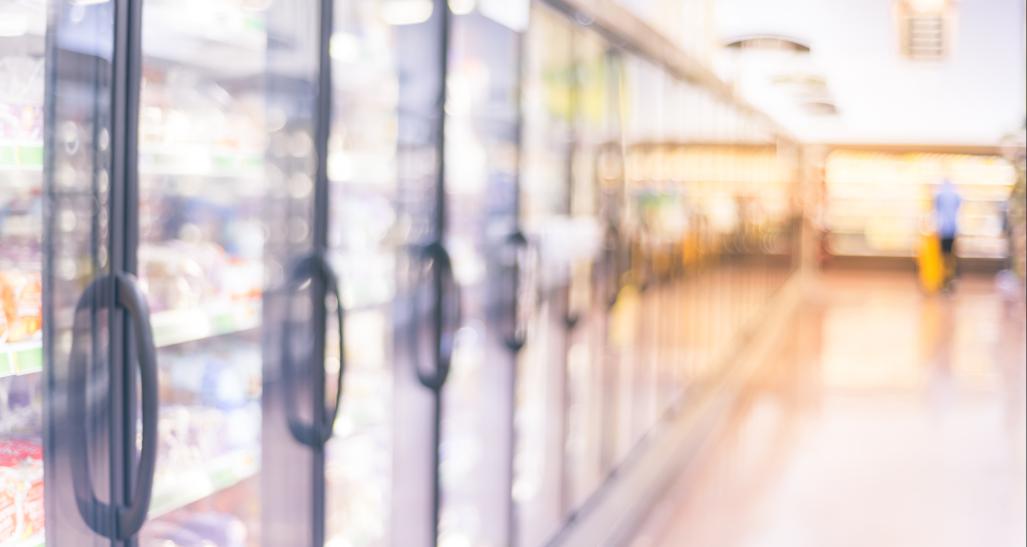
(21, 488)
(243, 279)
(28, 310)
(171, 279)
(16, 451)
(7, 307)
(33, 512)
(3, 327)
(20, 306)
(9, 486)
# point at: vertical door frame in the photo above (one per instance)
(124, 237)
(321, 213)
(122, 241)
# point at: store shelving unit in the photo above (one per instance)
(879, 202)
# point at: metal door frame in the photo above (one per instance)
(122, 240)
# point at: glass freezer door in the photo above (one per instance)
(585, 361)
(201, 145)
(539, 487)
(365, 240)
(100, 373)
(482, 136)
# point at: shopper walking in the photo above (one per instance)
(946, 212)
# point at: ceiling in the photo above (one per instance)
(974, 97)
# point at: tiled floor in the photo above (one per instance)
(888, 419)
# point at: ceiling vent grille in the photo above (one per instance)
(925, 37)
(924, 30)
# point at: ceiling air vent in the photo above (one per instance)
(767, 42)
(924, 29)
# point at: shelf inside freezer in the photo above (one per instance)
(199, 482)
(180, 326)
(36, 540)
(21, 155)
(21, 358)
(169, 328)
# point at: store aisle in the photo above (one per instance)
(887, 419)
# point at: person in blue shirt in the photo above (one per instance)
(946, 219)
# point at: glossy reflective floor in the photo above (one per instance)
(887, 418)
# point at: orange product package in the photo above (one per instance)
(20, 306)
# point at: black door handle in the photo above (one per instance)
(316, 434)
(526, 261)
(118, 290)
(445, 297)
(571, 320)
(613, 266)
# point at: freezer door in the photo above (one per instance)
(587, 308)
(540, 489)
(421, 319)
(101, 371)
(203, 176)
(481, 213)
(290, 489)
(369, 235)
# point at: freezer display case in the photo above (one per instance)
(367, 277)
(154, 277)
(354, 272)
(98, 337)
(571, 191)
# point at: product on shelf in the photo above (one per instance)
(179, 275)
(21, 489)
(20, 306)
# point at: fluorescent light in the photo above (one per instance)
(406, 12)
(461, 7)
(344, 47)
(13, 24)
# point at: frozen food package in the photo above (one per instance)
(9, 486)
(7, 307)
(21, 488)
